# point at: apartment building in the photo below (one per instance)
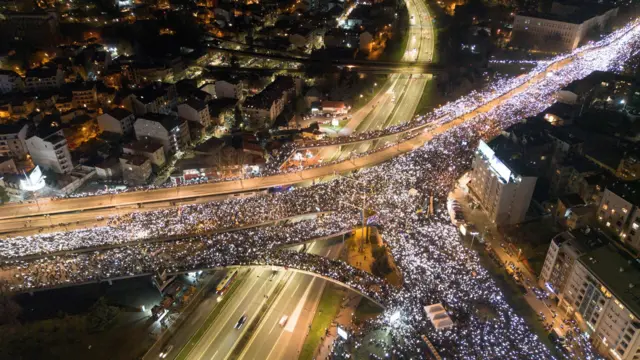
(43, 78)
(603, 294)
(564, 250)
(117, 120)
(262, 109)
(156, 98)
(169, 130)
(136, 169)
(564, 26)
(503, 191)
(195, 110)
(10, 82)
(84, 95)
(38, 28)
(13, 138)
(229, 88)
(151, 150)
(51, 152)
(619, 213)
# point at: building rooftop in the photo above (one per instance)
(13, 128)
(169, 122)
(196, 104)
(571, 200)
(571, 13)
(119, 113)
(137, 160)
(211, 145)
(618, 272)
(565, 135)
(144, 146)
(630, 191)
(42, 72)
(271, 93)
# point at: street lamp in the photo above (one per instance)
(365, 230)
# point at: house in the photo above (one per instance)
(117, 120)
(10, 82)
(154, 151)
(13, 138)
(7, 165)
(169, 130)
(366, 41)
(136, 169)
(312, 95)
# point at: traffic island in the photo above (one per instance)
(366, 251)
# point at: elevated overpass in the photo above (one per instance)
(425, 67)
(338, 272)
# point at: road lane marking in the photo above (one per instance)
(293, 319)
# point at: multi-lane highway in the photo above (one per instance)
(297, 297)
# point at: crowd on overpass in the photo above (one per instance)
(436, 266)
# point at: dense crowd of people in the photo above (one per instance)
(435, 265)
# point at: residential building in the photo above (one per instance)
(169, 130)
(10, 81)
(7, 165)
(155, 98)
(43, 78)
(564, 250)
(50, 152)
(602, 293)
(502, 190)
(619, 212)
(117, 120)
(564, 27)
(84, 95)
(38, 28)
(262, 109)
(154, 151)
(136, 169)
(195, 110)
(229, 88)
(13, 138)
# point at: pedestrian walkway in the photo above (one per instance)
(344, 319)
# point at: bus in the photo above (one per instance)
(223, 285)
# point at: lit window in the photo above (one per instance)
(608, 224)
(613, 211)
(624, 210)
(605, 206)
(635, 226)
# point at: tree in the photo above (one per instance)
(4, 197)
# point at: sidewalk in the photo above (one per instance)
(344, 318)
(495, 239)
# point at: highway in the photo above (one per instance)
(221, 338)
(298, 300)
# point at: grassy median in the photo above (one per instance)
(327, 310)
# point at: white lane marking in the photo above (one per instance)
(293, 319)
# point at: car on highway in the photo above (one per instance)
(283, 320)
(241, 321)
(166, 351)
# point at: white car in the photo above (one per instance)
(283, 320)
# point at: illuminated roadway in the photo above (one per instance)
(301, 291)
(47, 206)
